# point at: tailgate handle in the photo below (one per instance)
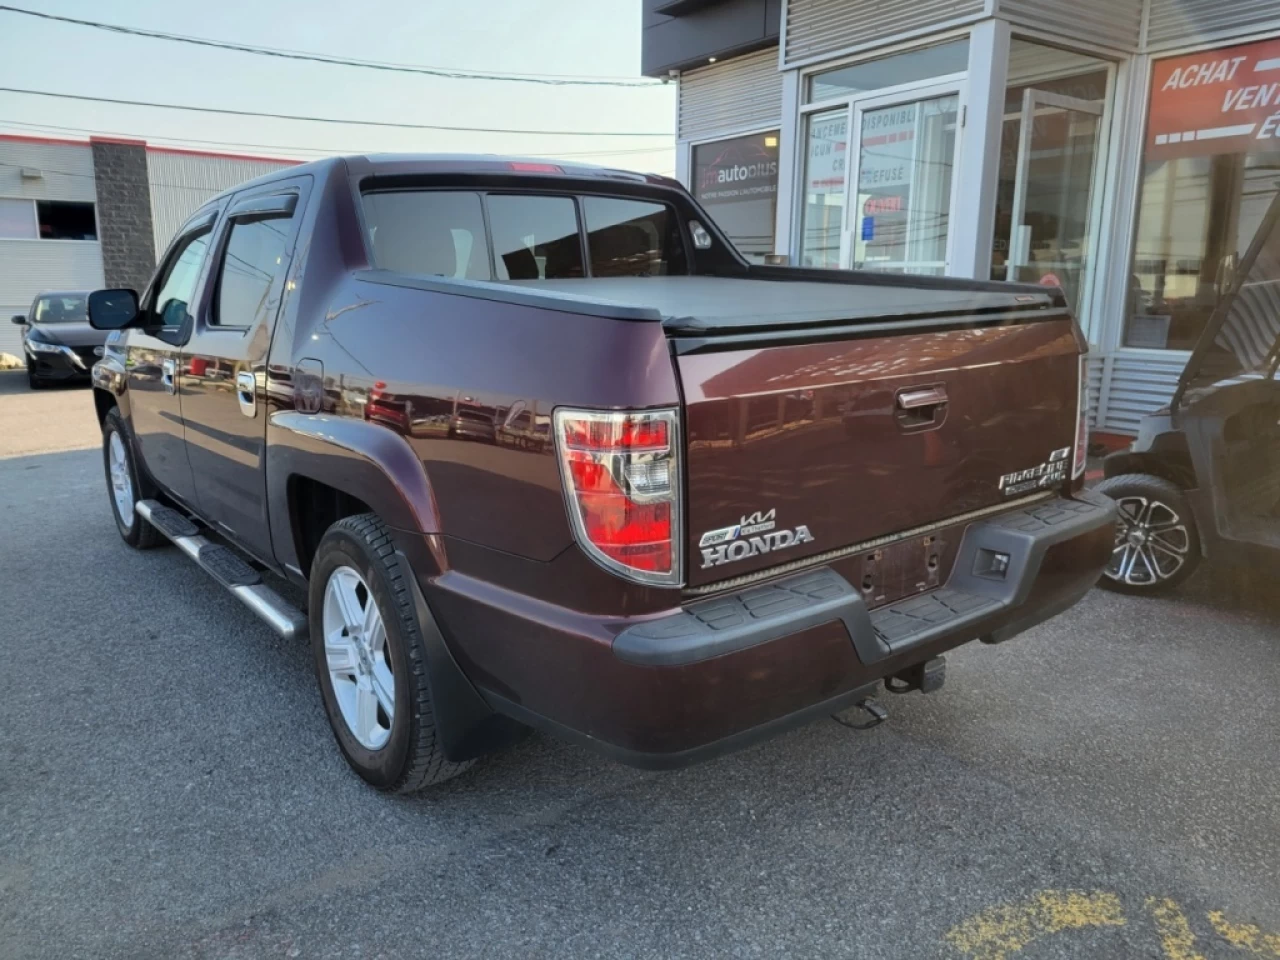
(918, 399)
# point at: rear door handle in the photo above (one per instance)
(246, 393)
(926, 397)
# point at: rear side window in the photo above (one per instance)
(254, 257)
(433, 233)
(535, 238)
(632, 238)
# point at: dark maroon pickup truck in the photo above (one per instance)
(545, 451)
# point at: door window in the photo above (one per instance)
(535, 238)
(256, 254)
(178, 280)
(906, 153)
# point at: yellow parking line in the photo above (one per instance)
(1245, 936)
(999, 931)
(1175, 930)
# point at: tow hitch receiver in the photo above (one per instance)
(925, 677)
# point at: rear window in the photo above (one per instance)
(535, 238)
(444, 233)
(632, 238)
(434, 233)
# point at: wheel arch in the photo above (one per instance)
(324, 469)
(1170, 460)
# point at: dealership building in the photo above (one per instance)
(84, 214)
(1126, 150)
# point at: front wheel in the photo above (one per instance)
(1157, 545)
(370, 659)
(33, 381)
(122, 484)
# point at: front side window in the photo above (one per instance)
(632, 238)
(60, 308)
(435, 233)
(737, 182)
(174, 292)
(535, 238)
(1209, 175)
(255, 256)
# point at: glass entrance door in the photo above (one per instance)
(1058, 149)
(899, 217)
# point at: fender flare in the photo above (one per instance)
(366, 460)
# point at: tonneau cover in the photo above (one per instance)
(704, 304)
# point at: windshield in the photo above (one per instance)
(60, 308)
(1242, 339)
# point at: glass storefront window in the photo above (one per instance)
(1047, 183)
(1211, 169)
(936, 61)
(826, 153)
(737, 181)
(906, 155)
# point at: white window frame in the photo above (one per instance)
(35, 220)
(1111, 340)
(851, 102)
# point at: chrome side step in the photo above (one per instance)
(226, 566)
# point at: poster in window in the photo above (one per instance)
(737, 182)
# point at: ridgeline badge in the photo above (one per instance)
(750, 537)
(1048, 474)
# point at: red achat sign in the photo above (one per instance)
(1218, 101)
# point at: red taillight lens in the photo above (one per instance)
(621, 483)
(1082, 421)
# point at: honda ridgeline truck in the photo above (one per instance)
(545, 451)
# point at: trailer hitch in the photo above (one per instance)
(876, 715)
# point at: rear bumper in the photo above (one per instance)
(718, 673)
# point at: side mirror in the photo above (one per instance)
(19, 319)
(112, 309)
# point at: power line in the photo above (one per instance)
(357, 123)
(540, 78)
(323, 151)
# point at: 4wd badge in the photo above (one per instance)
(1048, 474)
(750, 537)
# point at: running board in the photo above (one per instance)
(226, 566)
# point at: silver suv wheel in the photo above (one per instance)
(355, 648)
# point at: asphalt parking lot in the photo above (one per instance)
(1104, 786)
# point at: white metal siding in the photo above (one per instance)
(67, 171)
(1179, 23)
(1094, 393)
(29, 266)
(738, 94)
(1133, 387)
(1110, 23)
(181, 182)
(818, 27)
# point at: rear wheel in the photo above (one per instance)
(1157, 545)
(122, 484)
(370, 659)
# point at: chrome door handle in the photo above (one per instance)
(167, 368)
(928, 397)
(247, 394)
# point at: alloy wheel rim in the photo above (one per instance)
(121, 482)
(1152, 542)
(356, 654)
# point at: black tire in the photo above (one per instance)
(412, 757)
(135, 531)
(1169, 508)
(33, 382)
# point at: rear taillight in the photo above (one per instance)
(1082, 420)
(621, 475)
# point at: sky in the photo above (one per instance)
(580, 38)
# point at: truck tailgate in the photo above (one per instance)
(801, 449)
